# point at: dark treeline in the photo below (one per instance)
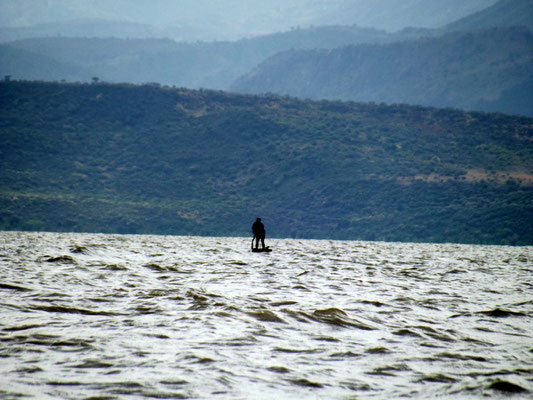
(149, 159)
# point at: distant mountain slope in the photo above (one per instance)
(187, 20)
(142, 159)
(79, 28)
(394, 15)
(212, 65)
(191, 20)
(504, 13)
(20, 63)
(480, 70)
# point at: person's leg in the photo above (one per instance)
(263, 242)
(256, 242)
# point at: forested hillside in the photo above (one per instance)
(147, 159)
(482, 70)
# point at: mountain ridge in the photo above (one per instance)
(185, 64)
(498, 15)
(394, 16)
(470, 70)
(233, 19)
(191, 64)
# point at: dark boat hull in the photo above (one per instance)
(265, 250)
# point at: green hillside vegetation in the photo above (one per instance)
(148, 159)
(483, 70)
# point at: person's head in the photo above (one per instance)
(258, 219)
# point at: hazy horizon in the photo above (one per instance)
(233, 19)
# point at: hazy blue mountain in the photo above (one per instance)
(219, 64)
(154, 12)
(182, 20)
(21, 63)
(502, 14)
(189, 20)
(487, 70)
(211, 65)
(394, 15)
(81, 28)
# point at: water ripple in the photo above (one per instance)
(112, 316)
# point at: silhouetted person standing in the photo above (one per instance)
(258, 229)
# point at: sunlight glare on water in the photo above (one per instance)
(120, 316)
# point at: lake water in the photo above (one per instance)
(93, 316)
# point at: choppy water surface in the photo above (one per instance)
(129, 317)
